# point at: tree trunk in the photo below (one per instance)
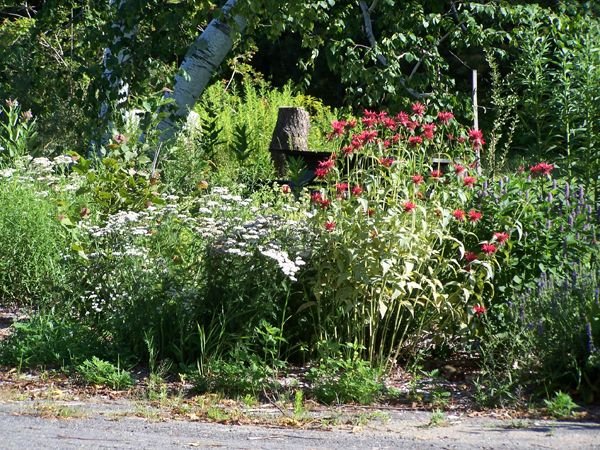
(291, 129)
(116, 57)
(202, 59)
(289, 137)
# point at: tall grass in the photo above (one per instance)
(33, 243)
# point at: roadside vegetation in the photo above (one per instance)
(425, 245)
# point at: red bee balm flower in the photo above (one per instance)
(417, 179)
(469, 181)
(488, 249)
(338, 127)
(542, 168)
(458, 169)
(286, 189)
(475, 216)
(418, 108)
(415, 140)
(341, 187)
(476, 138)
(386, 161)
(409, 206)
(316, 197)
(459, 215)
(436, 174)
(330, 225)
(479, 310)
(357, 190)
(445, 116)
(428, 130)
(501, 237)
(470, 256)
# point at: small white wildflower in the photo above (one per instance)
(63, 160)
(7, 173)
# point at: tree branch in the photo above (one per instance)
(369, 31)
(382, 60)
(373, 5)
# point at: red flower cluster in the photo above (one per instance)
(317, 197)
(469, 181)
(488, 249)
(418, 108)
(476, 138)
(409, 206)
(415, 140)
(459, 215)
(501, 237)
(339, 127)
(417, 179)
(386, 161)
(445, 116)
(357, 190)
(479, 310)
(475, 216)
(324, 167)
(436, 174)
(428, 130)
(458, 169)
(470, 256)
(330, 225)
(341, 187)
(542, 168)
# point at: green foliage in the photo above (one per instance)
(544, 339)
(113, 184)
(99, 372)
(17, 130)
(345, 380)
(50, 339)
(389, 263)
(244, 374)
(33, 245)
(561, 406)
(229, 141)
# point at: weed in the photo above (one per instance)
(561, 406)
(99, 372)
(440, 398)
(299, 409)
(53, 411)
(345, 380)
(438, 418)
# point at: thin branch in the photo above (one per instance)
(439, 41)
(369, 31)
(382, 60)
(373, 6)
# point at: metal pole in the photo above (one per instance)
(476, 120)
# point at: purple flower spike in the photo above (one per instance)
(567, 190)
(590, 338)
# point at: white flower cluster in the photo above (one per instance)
(251, 231)
(288, 267)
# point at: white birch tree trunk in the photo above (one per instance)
(201, 61)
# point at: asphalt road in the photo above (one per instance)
(110, 425)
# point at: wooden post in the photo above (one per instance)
(476, 120)
(291, 133)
